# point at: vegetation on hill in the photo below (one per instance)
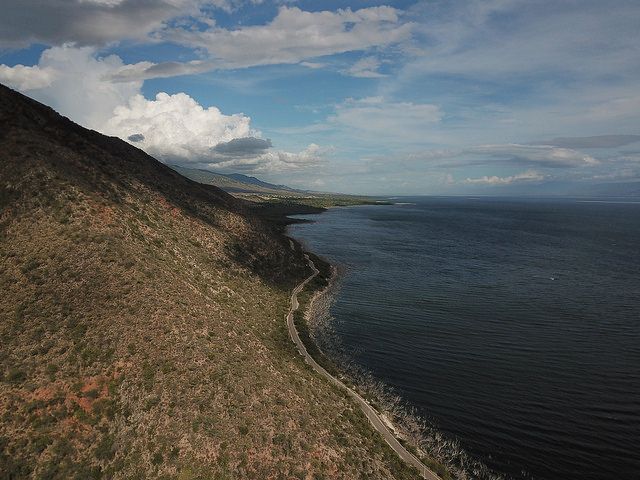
(142, 324)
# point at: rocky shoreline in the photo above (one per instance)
(440, 452)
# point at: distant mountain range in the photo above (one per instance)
(234, 182)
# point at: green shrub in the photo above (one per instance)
(78, 332)
(16, 375)
(148, 373)
(104, 448)
(51, 370)
(93, 393)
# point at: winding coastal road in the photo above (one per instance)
(371, 414)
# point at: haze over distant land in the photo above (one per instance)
(407, 97)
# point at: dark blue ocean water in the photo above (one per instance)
(513, 325)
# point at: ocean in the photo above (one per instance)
(511, 325)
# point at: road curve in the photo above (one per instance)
(371, 414)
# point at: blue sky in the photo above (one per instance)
(373, 97)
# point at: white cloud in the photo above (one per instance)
(148, 70)
(313, 65)
(435, 155)
(482, 73)
(176, 127)
(493, 155)
(551, 68)
(447, 179)
(27, 78)
(310, 158)
(543, 155)
(511, 37)
(292, 36)
(173, 128)
(73, 81)
(529, 176)
(365, 68)
(628, 157)
(295, 35)
(101, 22)
(619, 109)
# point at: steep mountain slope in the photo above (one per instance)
(141, 324)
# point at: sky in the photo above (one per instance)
(404, 97)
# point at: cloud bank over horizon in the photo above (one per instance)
(418, 97)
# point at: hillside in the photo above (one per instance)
(235, 182)
(142, 324)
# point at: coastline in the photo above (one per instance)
(318, 318)
(374, 417)
(426, 442)
(317, 314)
(441, 454)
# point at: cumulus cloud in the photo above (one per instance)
(176, 127)
(529, 176)
(66, 74)
(173, 128)
(27, 78)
